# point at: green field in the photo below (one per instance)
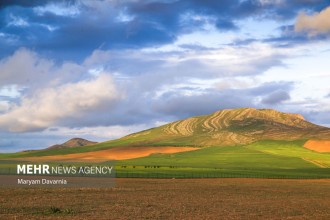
(262, 159)
(291, 150)
(266, 159)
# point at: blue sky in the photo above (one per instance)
(103, 69)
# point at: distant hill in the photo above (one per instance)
(74, 142)
(231, 127)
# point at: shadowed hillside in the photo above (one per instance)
(74, 142)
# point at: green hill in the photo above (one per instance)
(243, 142)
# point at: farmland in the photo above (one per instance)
(266, 159)
(173, 199)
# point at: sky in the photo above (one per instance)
(103, 69)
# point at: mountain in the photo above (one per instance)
(74, 142)
(231, 127)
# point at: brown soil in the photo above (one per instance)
(173, 199)
(118, 153)
(319, 146)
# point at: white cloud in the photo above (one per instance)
(11, 91)
(60, 9)
(271, 2)
(47, 107)
(17, 21)
(159, 68)
(276, 97)
(40, 93)
(123, 16)
(56, 94)
(318, 23)
(8, 39)
(235, 83)
(49, 27)
(27, 69)
(98, 57)
(4, 106)
(23, 67)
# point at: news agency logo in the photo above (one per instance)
(33, 169)
(91, 174)
(45, 169)
(67, 174)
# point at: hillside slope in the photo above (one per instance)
(232, 127)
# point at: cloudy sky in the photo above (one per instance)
(102, 69)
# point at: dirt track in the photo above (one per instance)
(174, 199)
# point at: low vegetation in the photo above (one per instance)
(173, 199)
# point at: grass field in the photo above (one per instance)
(222, 157)
(292, 150)
(266, 159)
(263, 159)
(173, 199)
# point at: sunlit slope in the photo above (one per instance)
(232, 127)
(292, 150)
